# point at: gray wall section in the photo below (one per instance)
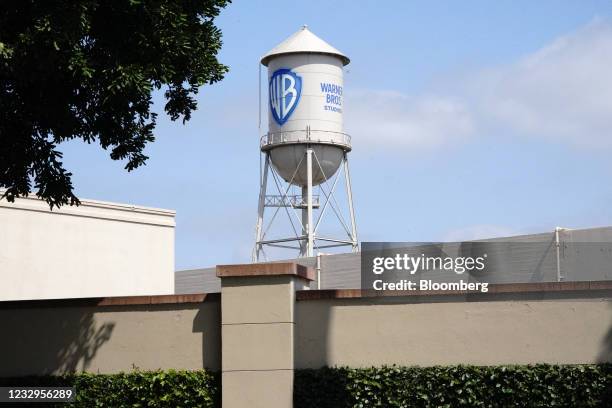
(585, 255)
(341, 271)
(197, 281)
(338, 271)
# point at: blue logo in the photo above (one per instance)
(285, 91)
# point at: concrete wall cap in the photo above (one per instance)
(111, 301)
(266, 269)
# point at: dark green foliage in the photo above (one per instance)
(136, 389)
(456, 386)
(85, 69)
(326, 387)
(452, 386)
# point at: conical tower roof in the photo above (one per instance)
(303, 41)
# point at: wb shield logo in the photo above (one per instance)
(285, 90)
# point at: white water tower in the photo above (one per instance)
(305, 145)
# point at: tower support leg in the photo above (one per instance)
(349, 193)
(260, 210)
(304, 240)
(309, 226)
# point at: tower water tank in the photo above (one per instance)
(305, 78)
(305, 143)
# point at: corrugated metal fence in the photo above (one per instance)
(583, 255)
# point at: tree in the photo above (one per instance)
(87, 69)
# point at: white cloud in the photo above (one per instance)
(561, 92)
(392, 118)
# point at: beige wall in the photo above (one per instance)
(94, 250)
(372, 332)
(267, 333)
(45, 340)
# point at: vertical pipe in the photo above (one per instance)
(349, 193)
(260, 209)
(259, 101)
(310, 243)
(558, 245)
(319, 270)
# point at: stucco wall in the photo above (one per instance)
(375, 331)
(96, 249)
(566, 323)
(54, 339)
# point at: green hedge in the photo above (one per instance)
(456, 386)
(135, 389)
(453, 386)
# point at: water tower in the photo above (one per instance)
(305, 146)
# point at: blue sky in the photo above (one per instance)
(469, 119)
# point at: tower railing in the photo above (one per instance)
(273, 139)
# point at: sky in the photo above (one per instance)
(469, 120)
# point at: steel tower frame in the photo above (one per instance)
(307, 238)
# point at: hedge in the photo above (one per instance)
(455, 386)
(449, 386)
(135, 389)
